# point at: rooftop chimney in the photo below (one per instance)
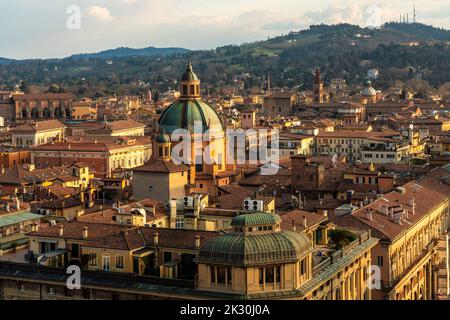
(294, 227)
(304, 222)
(61, 231)
(197, 241)
(173, 209)
(85, 233)
(156, 238)
(412, 204)
(369, 214)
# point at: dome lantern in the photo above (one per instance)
(189, 84)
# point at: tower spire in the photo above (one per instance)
(414, 13)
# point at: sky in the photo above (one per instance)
(59, 28)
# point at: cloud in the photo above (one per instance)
(363, 15)
(99, 13)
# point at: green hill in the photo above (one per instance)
(400, 52)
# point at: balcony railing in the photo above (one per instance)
(341, 253)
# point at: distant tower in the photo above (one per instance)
(268, 83)
(407, 18)
(318, 87)
(414, 13)
(149, 95)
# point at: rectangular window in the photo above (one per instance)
(221, 275)
(179, 224)
(167, 257)
(213, 275)
(119, 262)
(50, 290)
(261, 275)
(92, 259)
(75, 250)
(380, 261)
(303, 267)
(278, 274)
(106, 265)
(270, 275)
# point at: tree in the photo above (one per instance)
(156, 96)
(24, 87)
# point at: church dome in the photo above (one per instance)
(189, 108)
(251, 250)
(185, 113)
(255, 248)
(369, 91)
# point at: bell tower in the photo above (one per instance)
(190, 84)
(318, 88)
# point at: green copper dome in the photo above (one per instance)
(255, 219)
(184, 113)
(242, 250)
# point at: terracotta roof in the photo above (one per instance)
(42, 96)
(94, 146)
(61, 191)
(296, 216)
(158, 165)
(116, 126)
(126, 238)
(18, 175)
(383, 225)
(378, 136)
(153, 208)
(61, 203)
(280, 95)
(39, 126)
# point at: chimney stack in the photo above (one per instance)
(173, 210)
(412, 204)
(61, 231)
(197, 241)
(156, 238)
(305, 224)
(294, 227)
(369, 214)
(85, 233)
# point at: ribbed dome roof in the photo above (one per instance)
(255, 219)
(184, 114)
(255, 249)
